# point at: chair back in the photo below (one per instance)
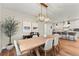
(56, 39)
(48, 44)
(35, 36)
(76, 35)
(18, 52)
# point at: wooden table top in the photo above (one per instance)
(28, 44)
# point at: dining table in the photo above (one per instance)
(33, 43)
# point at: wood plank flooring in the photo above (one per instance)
(68, 48)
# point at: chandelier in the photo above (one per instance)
(43, 18)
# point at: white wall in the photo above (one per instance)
(45, 28)
(18, 17)
(41, 28)
(74, 24)
(48, 28)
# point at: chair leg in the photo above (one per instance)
(45, 53)
(57, 50)
(54, 51)
(59, 46)
(31, 52)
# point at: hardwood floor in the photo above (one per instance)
(68, 48)
(8, 53)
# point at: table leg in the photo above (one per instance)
(37, 52)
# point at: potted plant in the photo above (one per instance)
(9, 27)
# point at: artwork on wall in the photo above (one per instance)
(29, 27)
(35, 28)
(26, 27)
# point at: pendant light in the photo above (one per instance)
(46, 18)
(43, 18)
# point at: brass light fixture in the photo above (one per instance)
(43, 18)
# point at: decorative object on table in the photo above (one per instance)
(9, 27)
(45, 35)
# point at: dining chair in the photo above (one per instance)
(76, 36)
(18, 51)
(35, 36)
(64, 35)
(56, 44)
(48, 46)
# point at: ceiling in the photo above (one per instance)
(56, 11)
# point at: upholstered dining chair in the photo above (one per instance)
(56, 44)
(35, 36)
(18, 52)
(48, 46)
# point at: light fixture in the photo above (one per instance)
(43, 18)
(46, 18)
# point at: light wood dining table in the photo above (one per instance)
(29, 44)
